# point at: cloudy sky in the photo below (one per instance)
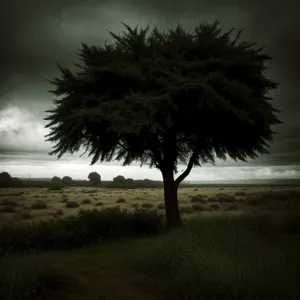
(36, 34)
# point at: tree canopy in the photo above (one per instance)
(94, 178)
(165, 98)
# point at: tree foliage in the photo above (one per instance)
(55, 179)
(5, 177)
(94, 178)
(119, 178)
(165, 98)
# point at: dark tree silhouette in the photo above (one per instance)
(67, 180)
(165, 98)
(119, 178)
(94, 178)
(55, 179)
(5, 177)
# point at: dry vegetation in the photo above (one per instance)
(27, 204)
(210, 257)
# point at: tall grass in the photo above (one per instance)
(73, 231)
(28, 278)
(225, 258)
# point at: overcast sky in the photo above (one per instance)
(36, 34)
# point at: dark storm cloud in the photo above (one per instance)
(36, 34)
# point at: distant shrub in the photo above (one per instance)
(72, 231)
(241, 194)
(86, 201)
(199, 198)
(9, 202)
(215, 206)
(147, 205)
(186, 210)
(99, 203)
(39, 205)
(7, 209)
(72, 204)
(121, 200)
(212, 199)
(198, 207)
(225, 198)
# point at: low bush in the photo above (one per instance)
(72, 204)
(147, 205)
(225, 198)
(9, 202)
(121, 200)
(199, 198)
(86, 201)
(72, 231)
(39, 205)
(198, 207)
(7, 209)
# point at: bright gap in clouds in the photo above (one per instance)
(22, 130)
(80, 170)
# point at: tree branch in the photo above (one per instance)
(187, 171)
(123, 146)
(154, 146)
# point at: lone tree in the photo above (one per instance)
(165, 98)
(67, 180)
(94, 178)
(5, 179)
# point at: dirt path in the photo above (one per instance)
(120, 286)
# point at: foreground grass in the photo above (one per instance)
(242, 257)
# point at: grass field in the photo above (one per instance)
(235, 243)
(26, 204)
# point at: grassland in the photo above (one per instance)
(236, 243)
(27, 204)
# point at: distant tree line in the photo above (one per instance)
(94, 180)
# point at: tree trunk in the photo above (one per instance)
(171, 200)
